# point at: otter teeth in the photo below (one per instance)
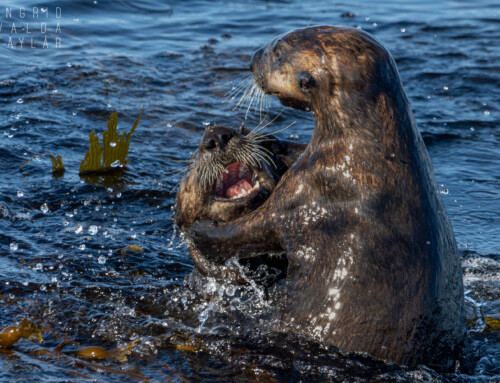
(244, 193)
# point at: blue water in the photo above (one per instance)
(177, 60)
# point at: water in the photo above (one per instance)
(63, 262)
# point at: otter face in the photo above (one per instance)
(232, 173)
(309, 68)
(281, 72)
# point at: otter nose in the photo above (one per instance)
(217, 137)
(256, 56)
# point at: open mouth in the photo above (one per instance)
(236, 182)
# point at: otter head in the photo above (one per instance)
(231, 173)
(321, 68)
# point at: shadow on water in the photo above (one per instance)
(97, 262)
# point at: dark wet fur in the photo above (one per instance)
(382, 254)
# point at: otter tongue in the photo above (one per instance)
(240, 189)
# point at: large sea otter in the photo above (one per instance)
(373, 263)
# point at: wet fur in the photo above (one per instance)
(195, 200)
(373, 263)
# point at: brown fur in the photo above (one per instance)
(373, 264)
(193, 201)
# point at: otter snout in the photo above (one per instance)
(216, 137)
(256, 57)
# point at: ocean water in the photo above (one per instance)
(62, 240)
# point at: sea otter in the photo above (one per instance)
(373, 263)
(231, 174)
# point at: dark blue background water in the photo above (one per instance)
(177, 60)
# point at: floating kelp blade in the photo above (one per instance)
(57, 164)
(112, 155)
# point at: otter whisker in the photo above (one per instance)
(277, 131)
(246, 93)
(237, 89)
(175, 160)
(256, 89)
(177, 171)
(263, 155)
(243, 81)
(175, 186)
(259, 128)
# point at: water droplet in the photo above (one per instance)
(101, 260)
(230, 290)
(25, 283)
(43, 9)
(79, 229)
(472, 128)
(54, 91)
(93, 229)
(109, 105)
(118, 195)
(486, 112)
(112, 144)
(20, 101)
(206, 123)
(54, 280)
(43, 287)
(374, 24)
(13, 246)
(82, 246)
(38, 267)
(428, 242)
(116, 163)
(403, 30)
(169, 125)
(367, 18)
(20, 193)
(445, 87)
(74, 113)
(75, 19)
(444, 191)
(44, 208)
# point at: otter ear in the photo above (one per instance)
(306, 81)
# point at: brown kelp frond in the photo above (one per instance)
(57, 164)
(112, 155)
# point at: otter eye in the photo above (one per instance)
(306, 80)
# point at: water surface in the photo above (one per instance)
(177, 60)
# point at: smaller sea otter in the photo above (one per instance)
(231, 174)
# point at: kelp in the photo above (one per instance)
(111, 156)
(26, 329)
(57, 164)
